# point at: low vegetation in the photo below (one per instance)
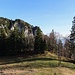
(25, 50)
(45, 64)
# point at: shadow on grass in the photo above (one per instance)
(71, 61)
(22, 59)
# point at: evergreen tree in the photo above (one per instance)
(72, 39)
(39, 44)
(15, 41)
(43, 46)
(67, 51)
(3, 44)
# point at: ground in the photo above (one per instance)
(46, 64)
(40, 71)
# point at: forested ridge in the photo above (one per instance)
(19, 37)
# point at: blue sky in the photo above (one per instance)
(48, 14)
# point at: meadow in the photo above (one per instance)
(41, 64)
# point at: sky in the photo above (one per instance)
(47, 14)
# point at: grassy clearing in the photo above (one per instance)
(38, 64)
(45, 64)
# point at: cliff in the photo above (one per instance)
(7, 25)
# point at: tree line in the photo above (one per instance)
(16, 43)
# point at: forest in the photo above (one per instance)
(19, 37)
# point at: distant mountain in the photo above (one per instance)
(8, 25)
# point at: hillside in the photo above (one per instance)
(24, 50)
(9, 25)
(45, 64)
(17, 36)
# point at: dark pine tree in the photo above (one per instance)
(39, 44)
(72, 39)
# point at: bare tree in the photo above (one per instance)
(59, 51)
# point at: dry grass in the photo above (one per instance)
(40, 71)
(45, 64)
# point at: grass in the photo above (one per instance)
(38, 64)
(45, 64)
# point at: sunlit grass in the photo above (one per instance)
(39, 64)
(45, 64)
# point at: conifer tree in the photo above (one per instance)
(72, 39)
(3, 41)
(39, 44)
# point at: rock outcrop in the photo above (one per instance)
(8, 25)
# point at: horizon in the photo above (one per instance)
(47, 14)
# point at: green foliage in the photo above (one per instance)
(44, 45)
(72, 39)
(40, 44)
(39, 32)
(37, 44)
(12, 41)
